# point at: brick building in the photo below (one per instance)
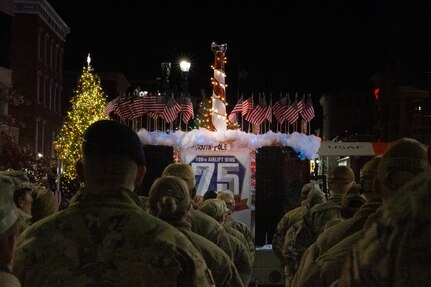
(37, 50)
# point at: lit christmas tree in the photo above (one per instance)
(203, 117)
(88, 105)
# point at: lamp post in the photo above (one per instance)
(185, 67)
(166, 72)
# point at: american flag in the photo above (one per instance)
(258, 114)
(247, 106)
(111, 106)
(268, 113)
(170, 113)
(138, 107)
(278, 111)
(291, 112)
(186, 108)
(308, 113)
(123, 109)
(300, 104)
(236, 109)
(155, 104)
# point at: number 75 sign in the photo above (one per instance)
(216, 170)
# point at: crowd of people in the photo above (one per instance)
(110, 236)
(371, 231)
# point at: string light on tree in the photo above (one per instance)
(88, 105)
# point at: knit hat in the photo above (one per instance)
(183, 171)
(214, 208)
(403, 159)
(111, 137)
(9, 213)
(342, 173)
(169, 197)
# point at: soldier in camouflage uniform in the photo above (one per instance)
(394, 249)
(170, 201)
(289, 219)
(228, 197)
(104, 238)
(294, 237)
(308, 273)
(9, 231)
(217, 209)
(202, 224)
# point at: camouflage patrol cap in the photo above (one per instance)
(9, 213)
(183, 171)
(353, 199)
(214, 207)
(228, 197)
(342, 173)
(111, 137)
(306, 188)
(44, 203)
(370, 167)
(169, 187)
(404, 158)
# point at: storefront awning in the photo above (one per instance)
(352, 148)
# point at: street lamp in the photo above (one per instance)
(185, 67)
(166, 72)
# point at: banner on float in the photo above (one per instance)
(220, 168)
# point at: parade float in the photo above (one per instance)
(224, 154)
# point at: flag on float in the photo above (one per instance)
(123, 109)
(236, 109)
(258, 114)
(247, 106)
(155, 104)
(299, 104)
(268, 113)
(186, 108)
(137, 106)
(279, 109)
(171, 110)
(291, 112)
(111, 106)
(308, 113)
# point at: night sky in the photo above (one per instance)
(284, 46)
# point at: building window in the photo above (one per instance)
(61, 63)
(60, 91)
(51, 55)
(56, 64)
(55, 97)
(39, 86)
(50, 94)
(39, 44)
(46, 49)
(45, 84)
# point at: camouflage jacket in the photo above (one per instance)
(308, 268)
(211, 229)
(248, 236)
(283, 225)
(395, 248)
(105, 239)
(221, 266)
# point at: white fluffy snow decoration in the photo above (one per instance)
(306, 145)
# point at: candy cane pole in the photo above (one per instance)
(218, 117)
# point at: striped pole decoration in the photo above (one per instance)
(219, 115)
